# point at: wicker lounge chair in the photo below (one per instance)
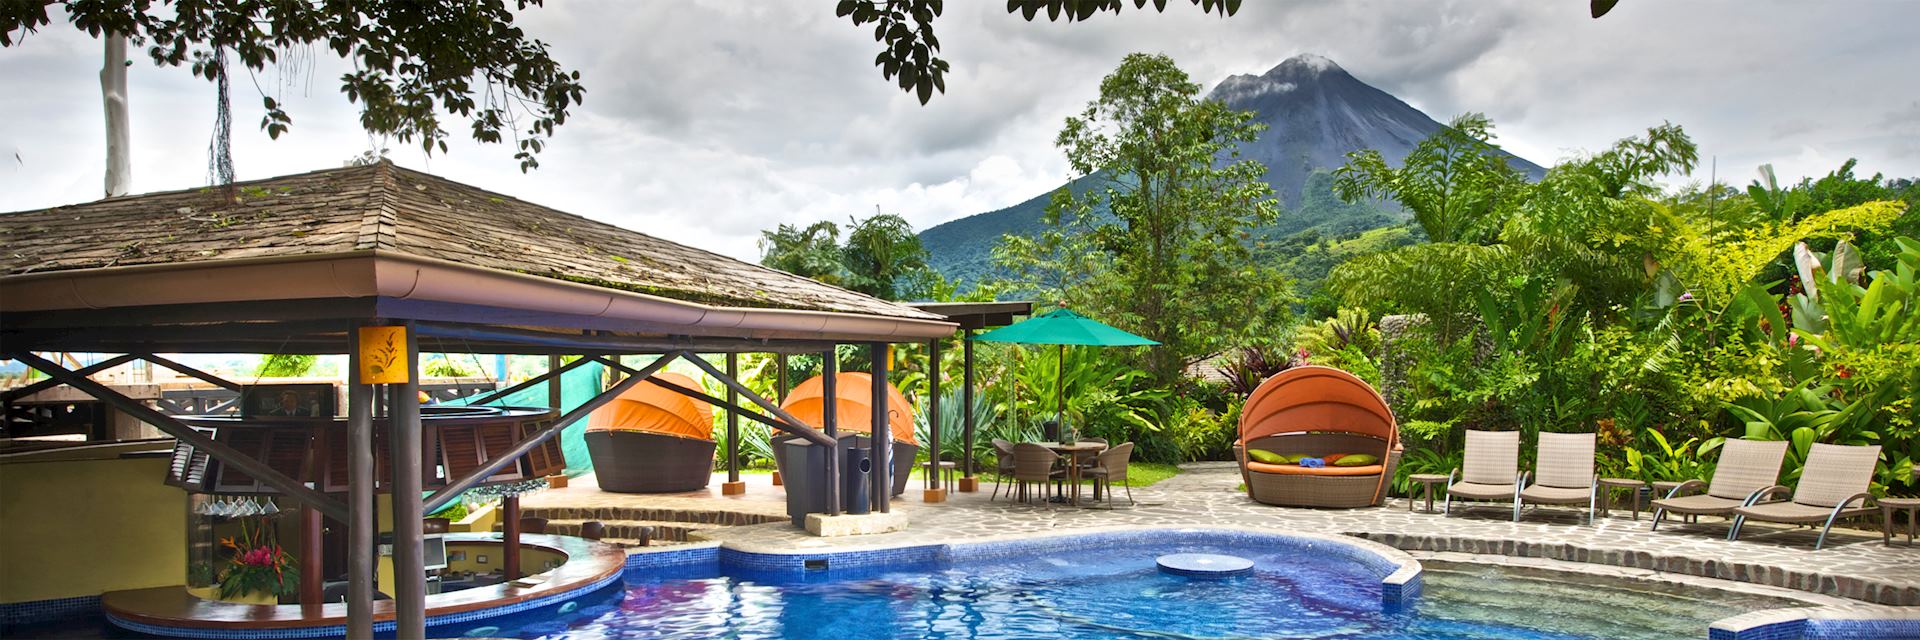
(1746, 468)
(1317, 411)
(1834, 479)
(1563, 473)
(1490, 472)
(1109, 466)
(853, 413)
(1035, 463)
(651, 440)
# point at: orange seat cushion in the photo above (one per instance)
(1296, 470)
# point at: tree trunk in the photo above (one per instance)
(113, 91)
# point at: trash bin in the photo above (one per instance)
(856, 481)
(805, 475)
(1050, 431)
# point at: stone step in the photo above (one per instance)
(652, 514)
(663, 530)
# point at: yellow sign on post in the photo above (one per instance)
(383, 355)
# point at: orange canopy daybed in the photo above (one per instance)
(853, 417)
(651, 440)
(1317, 411)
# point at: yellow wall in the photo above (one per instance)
(532, 560)
(81, 527)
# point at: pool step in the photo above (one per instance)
(709, 517)
(629, 530)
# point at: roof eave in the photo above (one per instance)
(360, 274)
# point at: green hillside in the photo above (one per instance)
(962, 250)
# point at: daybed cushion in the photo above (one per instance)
(1356, 460)
(1267, 457)
(1293, 470)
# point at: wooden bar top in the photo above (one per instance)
(588, 562)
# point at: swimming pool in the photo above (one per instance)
(1103, 591)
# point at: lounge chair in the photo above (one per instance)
(1491, 470)
(1316, 412)
(1109, 466)
(1746, 468)
(651, 440)
(1834, 477)
(1035, 463)
(1563, 473)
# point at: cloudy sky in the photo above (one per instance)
(707, 121)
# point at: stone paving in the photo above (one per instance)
(1853, 565)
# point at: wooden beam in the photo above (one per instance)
(446, 494)
(219, 451)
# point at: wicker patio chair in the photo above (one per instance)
(1109, 466)
(1092, 462)
(1003, 465)
(1491, 471)
(1835, 477)
(1564, 473)
(1034, 463)
(1746, 468)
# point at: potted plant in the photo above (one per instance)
(259, 571)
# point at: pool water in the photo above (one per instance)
(1121, 594)
(1104, 592)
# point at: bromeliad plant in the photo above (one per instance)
(258, 564)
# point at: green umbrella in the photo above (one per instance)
(1064, 327)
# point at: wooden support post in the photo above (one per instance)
(312, 564)
(968, 483)
(882, 434)
(779, 396)
(733, 485)
(830, 425)
(510, 536)
(360, 491)
(936, 488)
(409, 561)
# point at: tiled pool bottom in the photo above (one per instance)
(1105, 592)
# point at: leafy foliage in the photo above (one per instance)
(412, 61)
(882, 257)
(910, 53)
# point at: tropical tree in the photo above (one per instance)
(413, 60)
(882, 256)
(812, 251)
(1160, 247)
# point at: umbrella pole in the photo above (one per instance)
(1060, 393)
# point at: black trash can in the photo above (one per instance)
(856, 482)
(805, 475)
(1050, 431)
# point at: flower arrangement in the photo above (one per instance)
(259, 564)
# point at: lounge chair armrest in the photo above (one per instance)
(1452, 476)
(1863, 497)
(1520, 481)
(1764, 495)
(1684, 486)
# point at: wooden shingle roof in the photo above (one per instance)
(389, 209)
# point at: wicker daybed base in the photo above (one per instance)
(1328, 487)
(643, 462)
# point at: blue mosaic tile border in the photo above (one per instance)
(1836, 629)
(385, 626)
(38, 611)
(673, 557)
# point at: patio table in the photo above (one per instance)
(1633, 486)
(1073, 451)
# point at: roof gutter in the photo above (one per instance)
(362, 274)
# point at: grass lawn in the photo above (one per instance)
(1139, 474)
